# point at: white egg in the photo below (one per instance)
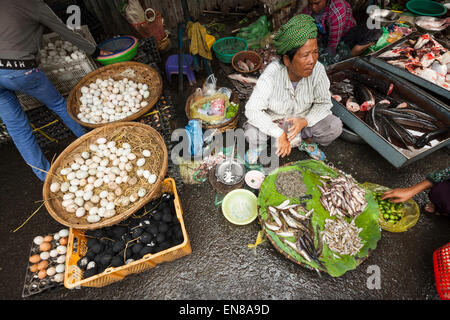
(68, 196)
(142, 192)
(65, 171)
(152, 179)
(73, 189)
(54, 187)
(101, 211)
(61, 259)
(79, 193)
(45, 255)
(131, 156)
(146, 153)
(81, 174)
(93, 218)
(86, 155)
(140, 162)
(75, 182)
(101, 141)
(95, 199)
(79, 202)
(80, 212)
(146, 174)
(71, 176)
(54, 253)
(103, 194)
(38, 240)
(98, 183)
(60, 268)
(110, 213)
(93, 211)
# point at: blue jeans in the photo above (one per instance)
(34, 83)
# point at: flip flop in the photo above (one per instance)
(312, 149)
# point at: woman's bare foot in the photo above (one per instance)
(430, 207)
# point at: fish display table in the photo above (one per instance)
(399, 93)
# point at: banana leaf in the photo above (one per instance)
(336, 265)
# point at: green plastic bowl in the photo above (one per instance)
(240, 206)
(426, 8)
(124, 49)
(226, 48)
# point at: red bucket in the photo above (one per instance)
(441, 262)
(153, 27)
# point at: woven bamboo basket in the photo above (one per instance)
(253, 56)
(135, 71)
(222, 127)
(288, 256)
(153, 142)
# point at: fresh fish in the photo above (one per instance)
(364, 97)
(250, 64)
(425, 139)
(337, 97)
(286, 234)
(291, 222)
(275, 216)
(419, 123)
(283, 205)
(382, 86)
(427, 59)
(241, 78)
(424, 39)
(243, 66)
(352, 105)
(402, 105)
(393, 129)
(297, 249)
(272, 226)
(297, 215)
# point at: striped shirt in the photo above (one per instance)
(337, 19)
(274, 98)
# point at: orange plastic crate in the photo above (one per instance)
(74, 275)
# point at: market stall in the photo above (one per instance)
(117, 189)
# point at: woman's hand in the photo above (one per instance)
(284, 146)
(404, 194)
(297, 126)
(399, 195)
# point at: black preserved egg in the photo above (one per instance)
(136, 248)
(146, 237)
(119, 245)
(160, 238)
(137, 232)
(117, 261)
(163, 227)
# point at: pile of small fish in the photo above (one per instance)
(267, 56)
(246, 65)
(342, 196)
(424, 57)
(286, 222)
(342, 237)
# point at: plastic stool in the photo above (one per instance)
(172, 67)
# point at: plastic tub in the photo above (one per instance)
(226, 48)
(426, 8)
(124, 49)
(240, 207)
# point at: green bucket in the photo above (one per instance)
(426, 8)
(226, 48)
(123, 49)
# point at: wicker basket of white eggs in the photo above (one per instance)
(122, 92)
(106, 175)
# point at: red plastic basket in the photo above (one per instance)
(441, 261)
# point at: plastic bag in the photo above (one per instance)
(195, 135)
(134, 12)
(209, 87)
(410, 217)
(382, 41)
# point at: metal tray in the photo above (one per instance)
(398, 157)
(373, 58)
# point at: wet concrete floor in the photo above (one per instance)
(221, 265)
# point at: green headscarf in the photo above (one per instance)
(295, 33)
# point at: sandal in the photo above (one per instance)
(312, 149)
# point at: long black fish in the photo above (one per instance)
(406, 135)
(394, 131)
(393, 113)
(364, 97)
(372, 114)
(419, 113)
(425, 139)
(383, 126)
(416, 123)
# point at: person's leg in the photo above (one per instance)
(257, 141)
(439, 197)
(19, 129)
(327, 130)
(37, 84)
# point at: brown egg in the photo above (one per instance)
(34, 268)
(45, 246)
(48, 238)
(35, 258)
(63, 241)
(43, 265)
(42, 274)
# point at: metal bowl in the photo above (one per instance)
(384, 17)
(418, 21)
(237, 172)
